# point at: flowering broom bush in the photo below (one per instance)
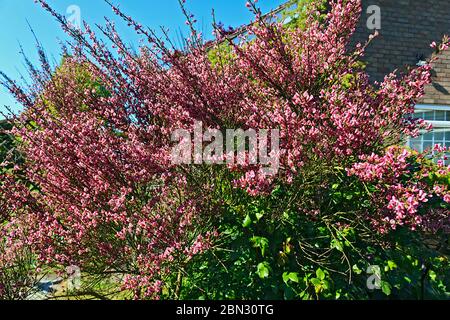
(99, 189)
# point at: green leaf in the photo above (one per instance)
(356, 269)
(263, 270)
(247, 221)
(336, 244)
(433, 275)
(259, 215)
(316, 282)
(338, 294)
(290, 276)
(260, 242)
(320, 274)
(287, 246)
(386, 288)
(391, 265)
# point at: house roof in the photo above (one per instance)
(408, 27)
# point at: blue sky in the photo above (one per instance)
(153, 13)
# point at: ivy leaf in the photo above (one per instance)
(391, 265)
(320, 274)
(356, 269)
(433, 275)
(316, 282)
(287, 246)
(336, 244)
(263, 270)
(386, 288)
(247, 221)
(290, 276)
(259, 215)
(262, 243)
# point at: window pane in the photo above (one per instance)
(429, 115)
(447, 115)
(439, 116)
(439, 137)
(416, 145)
(427, 145)
(428, 136)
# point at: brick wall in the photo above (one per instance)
(407, 29)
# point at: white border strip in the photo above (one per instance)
(427, 107)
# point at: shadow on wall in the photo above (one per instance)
(440, 88)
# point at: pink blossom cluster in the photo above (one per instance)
(406, 185)
(298, 87)
(387, 167)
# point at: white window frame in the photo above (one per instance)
(438, 126)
